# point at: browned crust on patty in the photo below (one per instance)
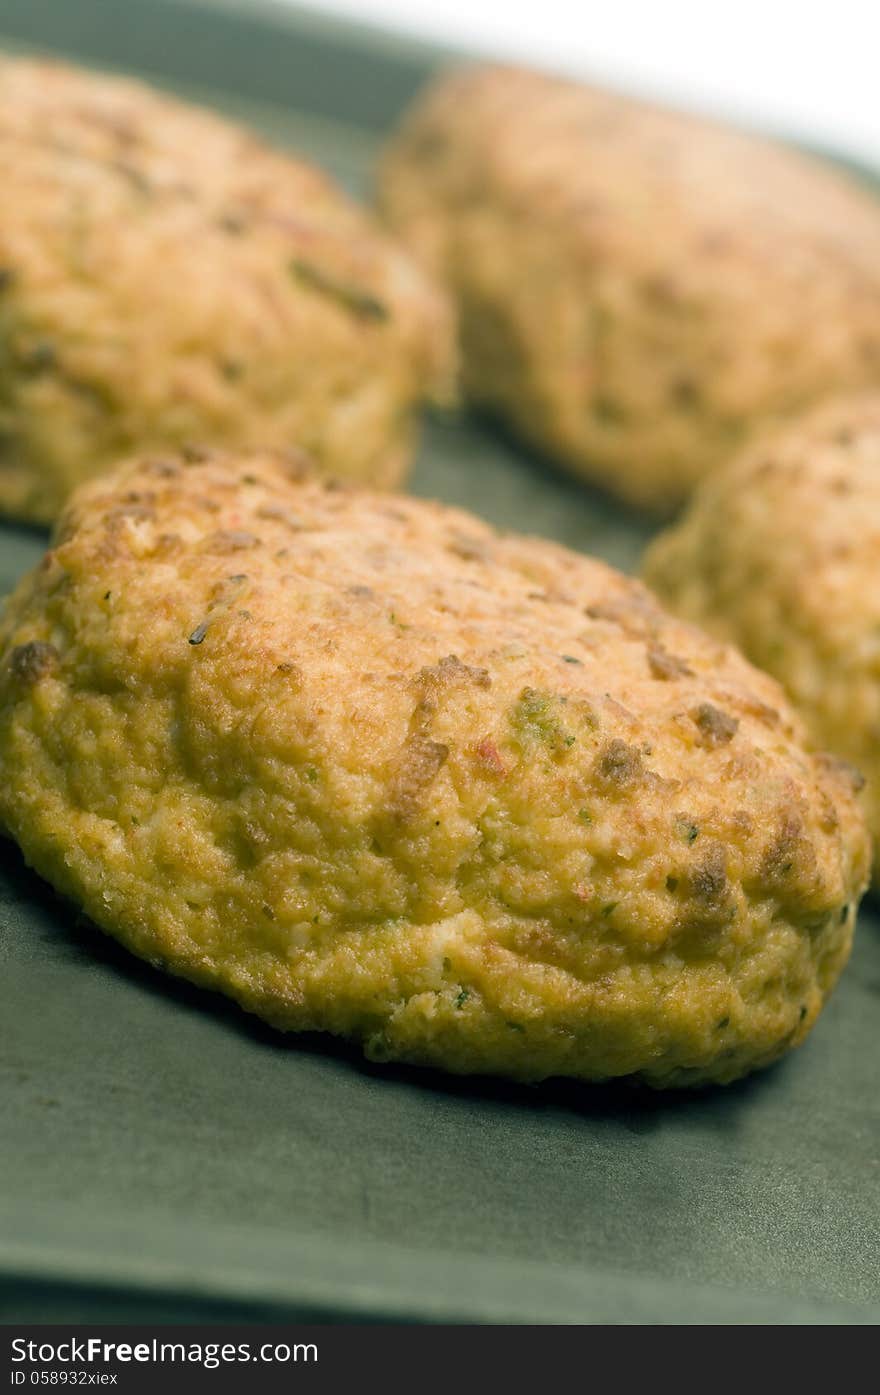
(357, 782)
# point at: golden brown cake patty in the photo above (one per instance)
(370, 767)
(639, 289)
(780, 553)
(166, 278)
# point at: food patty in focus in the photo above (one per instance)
(639, 289)
(780, 553)
(166, 278)
(370, 767)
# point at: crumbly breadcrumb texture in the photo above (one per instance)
(780, 554)
(639, 289)
(166, 278)
(370, 767)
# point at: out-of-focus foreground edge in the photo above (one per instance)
(363, 1281)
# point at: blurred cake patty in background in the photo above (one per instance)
(639, 289)
(166, 278)
(780, 554)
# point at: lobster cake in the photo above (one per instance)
(639, 290)
(369, 767)
(167, 279)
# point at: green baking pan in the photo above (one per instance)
(165, 1157)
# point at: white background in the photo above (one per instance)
(808, 69)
